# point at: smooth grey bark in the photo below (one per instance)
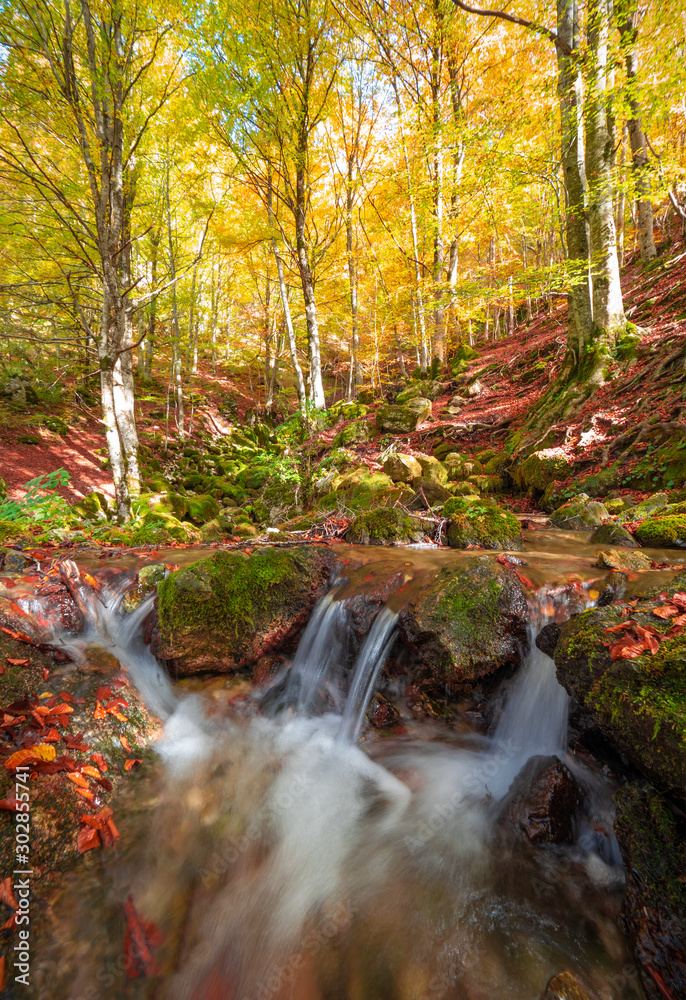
(458, 158)
(437, 178)
(628, 30)
(176, 369)
(307, 282)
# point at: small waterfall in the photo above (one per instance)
(318, 658)
(376, 648)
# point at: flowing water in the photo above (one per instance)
(281, 857)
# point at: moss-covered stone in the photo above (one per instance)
(433, 469)
(579, 514)
(654, 905)
(487, 484)
(362, 490)
(386, 526)
(356, 432)
(494, 466)
(621, 559)
(468, 622)
(226, 611)
(663, 532)
(540, 469)
(413, 390)
(613, 534)
(158, 528)
(346, 410)
(428, 493)
(402, 468)
(394, 419)
(202, 509)
(640, 704)
(481, 523)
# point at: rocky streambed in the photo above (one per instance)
(164, 863)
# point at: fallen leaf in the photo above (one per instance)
(9, 804)
(103, 693)
(3, 973)
(78, 779)
(17, 663)
(622, 625)
(31, 755)
(92, 772)
(125, 743)
(131, 763)
(7, 894)
(99, 712)
(142, 936)
(63, 709)
(666, 611)
(98, 759)
(626, 649)
(87, 795)
(46, 673)
(86, 839)
(52, 736)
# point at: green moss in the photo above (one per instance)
(202, 509)
(385, 526)
(540, 469)
(481, 523)
(663, 532)
(356, 432)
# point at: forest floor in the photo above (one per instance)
(513, 372)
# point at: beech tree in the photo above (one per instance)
(73, 120)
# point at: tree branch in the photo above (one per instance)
(539, 29)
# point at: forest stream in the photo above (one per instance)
(280, 845)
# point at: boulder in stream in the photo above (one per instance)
(654, 907)
(565, 986)
(630, 680)
(481, 523)
(628, 562)
(542, 801)
(468, 621)
(385, 526)
(580, 514)
(614, 534)
(229, 610)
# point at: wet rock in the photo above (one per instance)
(565, 986)
(385, 526)
(612, 588)
(482, 523)
(638, 703)
(629, 562)
(469, 621)
(542, 801)
(382, 713)
(58, 606)
(147, 580)
(613, 534)
(663, 532)
(546, 640)
(394, 419)
(580, 514)
(402, 468)
(16, 562)
(654, 906)
(229, 610)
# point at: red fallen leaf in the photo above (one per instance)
(99, 712)
(660, 983)
(17, 663)
(78, 779)
(9, 804)
(52, 736)
(46, 673)
(92, 772)
(3, 973)
(674, 631)
(86, 794)
(7, 894)
(19, 636)
(18, 610)
(106, 784)
(626, 649)
(649, 637)
(25, 705)
(61, 763)
(142, 936)
(65, 696)
(10, 924)
(679, 600)
(131, 763)
(76, 742)
(622, 625)
(30, 756)
(98, 759)
(125, 743)
(115, 702)
(5, 580)
(524, 579)
(62, 709)
(103, 693)
(86, 839)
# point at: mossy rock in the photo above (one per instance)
(494, 466)
(202, 509)
(432, 469)
(639, 704)
(394, 419)
(346, 410)
(623, 560)
(481, 523)
(177, 503)
(386, 526)
(468, 622)
(651, 505)
(93, 506)
(29, 439)
(540, 469)
(413, 390)
(227, 611)
(465, 353)
(3, 488)
(670, 460)
(615, 505)
(485, 455)
(245, 529)
(466, 489)
(614, 534)
(357, 432)
(663, 532)
(402, 468)
(580, 514)
(654, 905)
(472, 467)
(57, 425)
(487, 484)
(338, 459)
(428, 494)
(12, 531)
(158, 528)
(362, 490)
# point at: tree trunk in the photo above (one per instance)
(608, 306)
(317, 387)
(437, 193)
(569, 89)
(628, 29)
(177, 379)
(292, 345)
